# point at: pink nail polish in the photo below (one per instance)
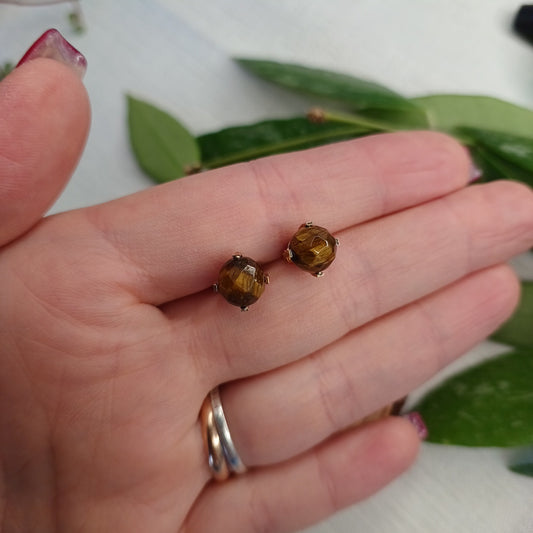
(53, 45)
(419, 424)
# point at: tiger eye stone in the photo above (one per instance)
(241, 281)
(312, 248)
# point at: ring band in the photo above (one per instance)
(230, 452)
(215, 454)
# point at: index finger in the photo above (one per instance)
(176, 236)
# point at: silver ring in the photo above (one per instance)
(230, 452)
(215, 453)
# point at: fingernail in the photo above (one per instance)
(53, 45)
(475, 173)
(418, 422)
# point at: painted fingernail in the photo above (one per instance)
(53, 45)
(475, 173)
(418, 422)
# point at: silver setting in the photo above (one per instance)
(287, 253)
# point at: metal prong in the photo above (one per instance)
(244, 308)
(308, 224)
(337, 242)
(266, 279)
(319, 274)
(287, 255)
(237, 255)
(215, 287)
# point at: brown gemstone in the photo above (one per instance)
(241, 281)
(312, 248)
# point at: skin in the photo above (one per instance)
(110, 337)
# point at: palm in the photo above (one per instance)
(101, 392)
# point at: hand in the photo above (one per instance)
(110, 337)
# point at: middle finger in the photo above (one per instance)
(381, 265)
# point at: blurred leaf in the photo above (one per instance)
(5, 69)
(377, 120)
(76, 21)
(401, 119)
(243, 143)
(521, 461)
(518, 330)
(488, 405)
(357, 93)
(525, 469)
(164, 149)
(446, 112)
(496, 168)
(511, 154)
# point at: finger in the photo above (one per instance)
(293, 495)
(175, 237)
(381, 266)
(373, 366)
(44, 120)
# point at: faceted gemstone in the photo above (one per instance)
(241, 281)
(312, 248)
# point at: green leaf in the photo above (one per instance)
(522, 461)
(511, 154)
(164, 149)
(446, 112)
(400, 119)
(525, 469)
(488, 405)
(356, 93)
(518, 330)
(75, 18)
(377, 120)
(496, 168)
(5, 69)
(243, 143)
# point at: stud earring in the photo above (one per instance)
(312, 248)
(241, 281)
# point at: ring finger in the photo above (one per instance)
(282, 413)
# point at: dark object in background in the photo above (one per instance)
(523, 22)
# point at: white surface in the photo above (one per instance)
(177, 53)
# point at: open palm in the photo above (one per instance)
(110, 338)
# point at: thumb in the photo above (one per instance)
(44, 121)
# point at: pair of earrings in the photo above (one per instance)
(241, 280)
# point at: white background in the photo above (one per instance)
(178, 55)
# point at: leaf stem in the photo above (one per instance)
(357, 120)
(252, 153)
